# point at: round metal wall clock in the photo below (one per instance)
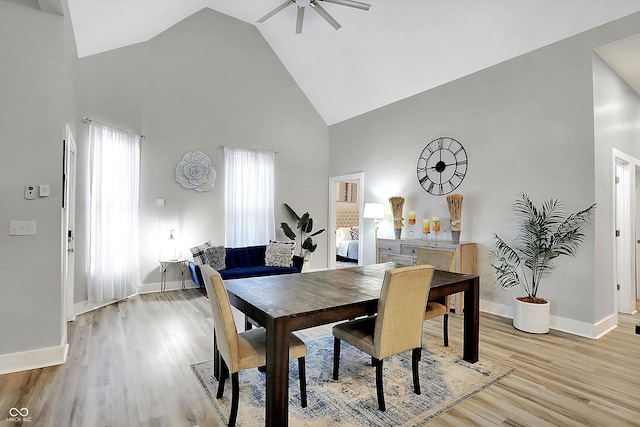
(442, 166)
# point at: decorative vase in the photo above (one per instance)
(531, 317)
(455, 236)
(397, 202)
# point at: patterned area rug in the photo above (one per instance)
(445, 380)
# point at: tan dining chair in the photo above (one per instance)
(440, 260)
(397, 326)
(244, 350)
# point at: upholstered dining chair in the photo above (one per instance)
(440, 260)
(397, 326)
(244, 350)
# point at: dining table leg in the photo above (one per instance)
(277, 393)
(471, 321)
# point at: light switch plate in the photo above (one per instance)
(43, 190)
(22, 228)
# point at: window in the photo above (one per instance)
(249, 195)
(113, 220)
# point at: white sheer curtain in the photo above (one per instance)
(114, 192)
(249, 194)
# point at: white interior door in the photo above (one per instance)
(69, 221)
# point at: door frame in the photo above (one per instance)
(636, 237)
(332, 215)
(68, 223)
(624, 219)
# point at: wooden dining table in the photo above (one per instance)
(286, 303)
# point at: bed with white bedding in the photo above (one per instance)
(347, 234)
(347, 239)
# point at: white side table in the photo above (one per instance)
(181, 263)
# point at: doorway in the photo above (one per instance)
(345, 216)
(625, 244)
(636, 237)
(68, 226)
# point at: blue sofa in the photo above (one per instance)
(244, 262)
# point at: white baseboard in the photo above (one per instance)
(33, 359)
(606, 325)
(574, 327)
(86, 306)
(148, 288)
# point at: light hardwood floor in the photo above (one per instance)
(129, 365)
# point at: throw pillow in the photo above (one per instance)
(355, 233)
(343, 233)
(279, 254)
(241, 256)
(216, 257)
(256, 255)
(199, 256)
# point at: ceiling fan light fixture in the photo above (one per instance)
(276, 10)
(301, 4)
(299, 19)
(322, 12)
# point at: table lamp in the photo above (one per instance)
(375, 211)
(172, 246)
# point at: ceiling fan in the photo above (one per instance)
(315, 5)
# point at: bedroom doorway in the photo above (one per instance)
(345, 220)
(625, 240)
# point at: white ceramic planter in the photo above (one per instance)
(532, 318)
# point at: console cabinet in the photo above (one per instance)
(405, 252)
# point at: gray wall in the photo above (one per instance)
(527, 125)
(207, 82)
(31, 134)
(210, 80)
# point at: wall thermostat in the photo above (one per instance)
(30, 192)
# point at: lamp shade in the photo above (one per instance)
(373, 210)
(170, 250)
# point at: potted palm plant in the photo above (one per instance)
(305, 226)
(544, 234)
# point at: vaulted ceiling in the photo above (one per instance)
(394, 50)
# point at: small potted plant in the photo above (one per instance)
(544, 234)
(305, 226)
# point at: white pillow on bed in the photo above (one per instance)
(343, 233)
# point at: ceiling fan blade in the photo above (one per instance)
(299, 20)
(350, 3)
(314, 4)
(276, 10)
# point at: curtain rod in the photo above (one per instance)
(252, 149)
(88, 120)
